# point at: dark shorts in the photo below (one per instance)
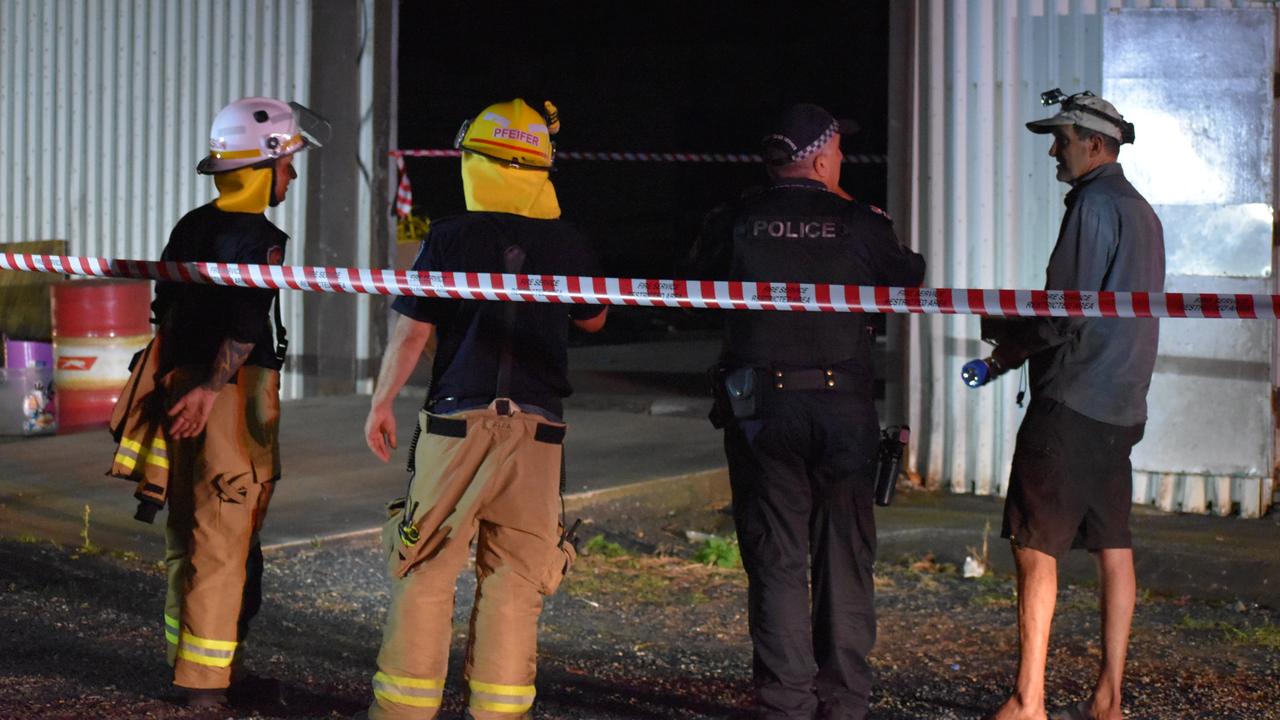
(1071, 484)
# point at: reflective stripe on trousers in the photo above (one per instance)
(220, 488)
(494, 479)
(415, 692)
(516, 699)
(214, 653)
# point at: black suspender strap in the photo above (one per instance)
(512, 261)
(282, 342)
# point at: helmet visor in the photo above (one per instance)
(314, 128)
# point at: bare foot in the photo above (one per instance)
(1015, 709)
(1104, 709)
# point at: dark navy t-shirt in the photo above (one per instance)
(197, 318)
(470, 332)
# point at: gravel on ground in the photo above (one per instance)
(642, 628)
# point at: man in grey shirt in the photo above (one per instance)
(1071, 481)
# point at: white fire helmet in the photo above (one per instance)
(258, 129)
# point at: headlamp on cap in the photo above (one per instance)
(1075, 103)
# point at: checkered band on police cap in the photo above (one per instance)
(801, 131)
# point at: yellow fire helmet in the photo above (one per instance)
(512, 133)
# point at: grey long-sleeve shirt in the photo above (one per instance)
(1110, 239)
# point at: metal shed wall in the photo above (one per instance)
(977, 195)
(106, 110)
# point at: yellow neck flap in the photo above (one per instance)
(244, 190)
(489, 186)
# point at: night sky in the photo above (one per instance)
(655, 76)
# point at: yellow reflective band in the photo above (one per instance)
(501, 698)
(415, 692)
(189, 639)
(499, 707)
(234, 154)
(218, 662)
(171, 629)
(171, 621)
(428, 683)
(171, 636)
(502, 689)
(413, 700)
(156, 455)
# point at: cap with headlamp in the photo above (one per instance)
(1085, 110)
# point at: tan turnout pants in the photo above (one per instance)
(494, 478)
(220, 484)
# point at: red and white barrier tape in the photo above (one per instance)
(853, 158)
(404, 192)
(715, 294)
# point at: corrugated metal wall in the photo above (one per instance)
(982, 202)
(105, 109)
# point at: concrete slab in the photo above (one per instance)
(1196, 555)
(332, 484)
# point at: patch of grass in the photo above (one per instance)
(990, 580)
(719, 552)
(599, 546)
(1265, 635)
(86, 545)
(930, 565)
(27, 539)
(1190, 623)
(1077, 600)
(994, 600)
(884, 582)
(628, 577)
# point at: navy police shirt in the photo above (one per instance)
(795, 230)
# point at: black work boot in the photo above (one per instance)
(201, 698)
(256, 691)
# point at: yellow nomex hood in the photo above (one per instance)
(245, 190)
(489, 186)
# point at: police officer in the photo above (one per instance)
(488, 459)
(800, 426)
(220, 356)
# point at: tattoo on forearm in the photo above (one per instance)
(231, 355)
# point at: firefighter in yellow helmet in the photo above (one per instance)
(487, 459)
(220, 355)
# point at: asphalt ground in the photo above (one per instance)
(332, 484)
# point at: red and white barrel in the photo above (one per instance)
(97, 327)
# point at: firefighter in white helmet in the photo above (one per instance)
(220, 353)
(488, 457)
